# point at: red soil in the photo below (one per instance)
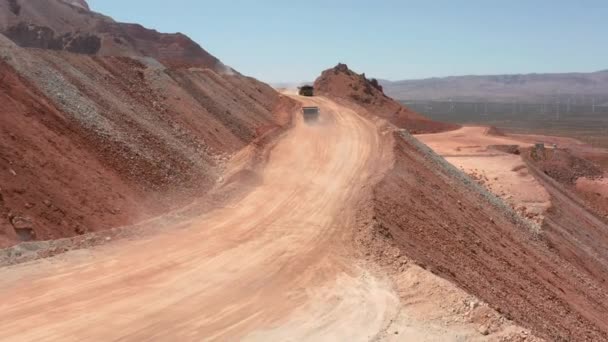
(575, 167)
(47, 172)
(90, 143)
(342, 83)
(70, 26)
(446, 224)
(576, 226)
(553, 281)
(563, 165)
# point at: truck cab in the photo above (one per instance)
(306, 90)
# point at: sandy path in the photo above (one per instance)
(235, 273)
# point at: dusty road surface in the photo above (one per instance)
(277, 264)
(243, 271)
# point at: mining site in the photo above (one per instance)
(150, 192)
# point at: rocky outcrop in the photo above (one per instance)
(342, 83)
(174, 50)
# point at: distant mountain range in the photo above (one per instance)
(575, 87)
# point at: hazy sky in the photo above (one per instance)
(294, 40)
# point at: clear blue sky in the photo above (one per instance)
(291, 41)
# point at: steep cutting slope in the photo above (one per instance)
(91, 142)
(276, 264)
(46, 173)
(448, 224)
(71, 26)
(235, 271)
(575, 225)
(342, 83)
(440, 218)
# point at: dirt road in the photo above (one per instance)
(278, 257)
(278, 264)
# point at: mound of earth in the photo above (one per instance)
(451, 226)
(342, 83)
(92, 141)
(70, 26)
(564, 166)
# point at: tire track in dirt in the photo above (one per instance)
(283, 248)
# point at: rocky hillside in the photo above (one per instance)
(552, 281)
(342, 83)
(424, 209)
(90, 141)
(70, 26)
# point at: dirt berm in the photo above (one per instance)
(341, 83)
(92, 141)
(576, 225)
(451, 226)
(448, 224)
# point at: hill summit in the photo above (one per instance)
(340, 82)
(70, 25)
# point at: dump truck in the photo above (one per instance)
(306, 90)
(310, 113)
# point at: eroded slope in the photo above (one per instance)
(342, 83)
(69, 25)
(448, 224)
(92, 142)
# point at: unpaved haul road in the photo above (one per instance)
(274, 265)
